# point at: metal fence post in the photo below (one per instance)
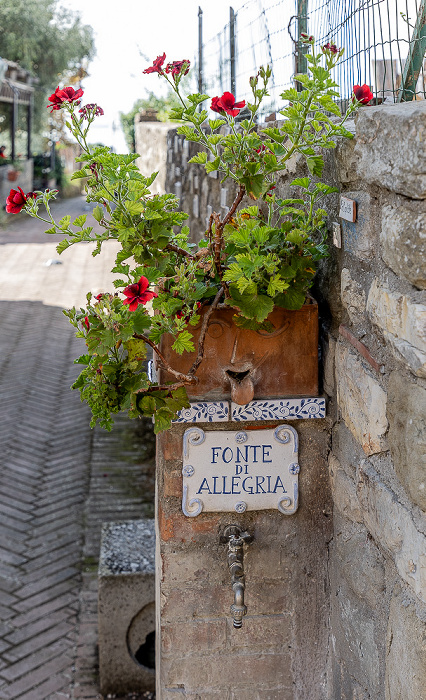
(232, 48)
(301, 64)
(415, 57)
(200, 50)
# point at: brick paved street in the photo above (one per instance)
(59, 480)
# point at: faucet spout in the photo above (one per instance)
(236, 539)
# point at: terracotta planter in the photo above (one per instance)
(241, 365)
(12, 175)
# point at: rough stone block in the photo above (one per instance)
(406, 652)
(353, 297)
(126, 607)
(391, 146)
(403, 239)
(400, 319)
(362, 401)
(407, 434)
(413, 358)
(238, 671)
(358, 237)
(356, 639)
(360, 561)
(392, 526)
(344, 492)
(204, 636)
(328, 378)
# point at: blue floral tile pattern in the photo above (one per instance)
(278, 409)
(205, 412)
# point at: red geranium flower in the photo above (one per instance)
(136, 294)
(363, 94)
(67, 94)
(227, 104)
(97, 111)
(175, 68)
(330, 47)
(16, 200)
(86, 322)
(216, 105)
(157, 66)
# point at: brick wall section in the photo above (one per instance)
(372, 299)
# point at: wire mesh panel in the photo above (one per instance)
(378, 37)
(262, 37)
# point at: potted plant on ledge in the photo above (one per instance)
(250, 274)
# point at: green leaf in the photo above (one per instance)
(133, 208)
(215, 124)
(253, 185)
(212, 165)
(79, 174)
(80, 220)
(97, 213)
(51, 230)
(315, 165)
(255, 306)
(162, 421)
(301, 182)
(197, 98)
(183, 343)
(251, 325)
(63, 245)
(141, 321)
(64, 222)
(292, 299)
(136, 349)
(147, 405)
(200, 157)
(275, 286)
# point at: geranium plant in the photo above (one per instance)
(259, 254)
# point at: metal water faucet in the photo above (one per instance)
(235, 538)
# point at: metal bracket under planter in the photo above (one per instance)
(238, 471)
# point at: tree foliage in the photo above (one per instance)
(46, 40)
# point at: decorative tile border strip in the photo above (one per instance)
(205, 412)
(272, 409)
(268, 409)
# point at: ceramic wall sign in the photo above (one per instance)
(240, 470)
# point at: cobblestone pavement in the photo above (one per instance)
(58, 480)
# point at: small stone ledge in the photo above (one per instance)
(127, 548)
(126, 607)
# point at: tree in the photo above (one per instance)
(162, 104)
(46, 40)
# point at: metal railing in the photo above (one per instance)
(384, 41)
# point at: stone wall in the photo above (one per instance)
(370, 570)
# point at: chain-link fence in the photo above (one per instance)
(384, 41)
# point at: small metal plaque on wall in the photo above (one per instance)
(237, 471)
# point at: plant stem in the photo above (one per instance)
(203, 332)
(185, 378)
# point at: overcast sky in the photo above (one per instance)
(126, 29)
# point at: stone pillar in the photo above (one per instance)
(280, 653)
